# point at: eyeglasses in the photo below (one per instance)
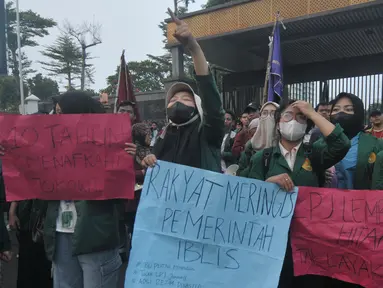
(288, 116)
(266, 113)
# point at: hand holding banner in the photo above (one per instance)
(196, 228)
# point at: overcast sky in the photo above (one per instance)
(126, 24)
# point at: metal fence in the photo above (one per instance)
(368, 88)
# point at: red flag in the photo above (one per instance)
(125, 90)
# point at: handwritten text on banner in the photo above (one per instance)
(200, 229)
(339, 233)
(67, 157)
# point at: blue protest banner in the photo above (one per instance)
(199, 229)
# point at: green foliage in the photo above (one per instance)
(43, 87)
(32, 25)
(147, 75)
(91, 92)
(212, 3)
(9, 94)
(65, 59)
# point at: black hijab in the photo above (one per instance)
(352, 124)
(180, 145)
(78, 102)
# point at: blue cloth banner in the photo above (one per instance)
(276, 71)
(199, 229)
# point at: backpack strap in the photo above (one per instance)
(266, 161)
(308, 152)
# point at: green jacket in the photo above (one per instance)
(97, 227)
(368, 168)
(213, 125)
(244, 160)
(326, 153)
(208, 131)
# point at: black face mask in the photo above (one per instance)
(180, 113)
(349, 123)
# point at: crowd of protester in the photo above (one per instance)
(75, 244)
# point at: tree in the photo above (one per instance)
(87, 35)
(150, 74)
(212, 3)
(177, 8)
(91, 92)
(25, 62)
(9, 94)
(65, 58)
(43, 87)
(146, 75)
(166, 59)
(32, 25)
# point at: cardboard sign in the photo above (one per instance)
(339, 233)
(196, 228)
(67, 157)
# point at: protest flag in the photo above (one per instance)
(273, 90)
(125, 87)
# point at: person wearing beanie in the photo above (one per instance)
(196, 127)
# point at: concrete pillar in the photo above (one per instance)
(177, 62)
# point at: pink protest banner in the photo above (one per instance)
(339, 233)
(67, 157)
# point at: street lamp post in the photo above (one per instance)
(20, 64)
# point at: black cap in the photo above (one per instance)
(375, 113)
(251, 107)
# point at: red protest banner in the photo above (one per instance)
(339, 233)
(67, 157)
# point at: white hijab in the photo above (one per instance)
(265, 135)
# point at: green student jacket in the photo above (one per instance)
(369, 167)
(326, 153)
(97, 227)
(244, 160)
(213, 124)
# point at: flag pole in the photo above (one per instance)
(20, 64)
(118, 84)
(268, 68)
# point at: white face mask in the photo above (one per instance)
(293, 130)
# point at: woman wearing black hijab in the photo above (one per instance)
(355, 171)
(82, 237)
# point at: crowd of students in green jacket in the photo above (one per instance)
(274, 148)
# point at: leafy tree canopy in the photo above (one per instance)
(32, 25)
(9, 94)
(43, 87)
(65, 59)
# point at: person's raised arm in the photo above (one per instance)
(325, 127)
(186, 38)
(213, 114)
(335, 145)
